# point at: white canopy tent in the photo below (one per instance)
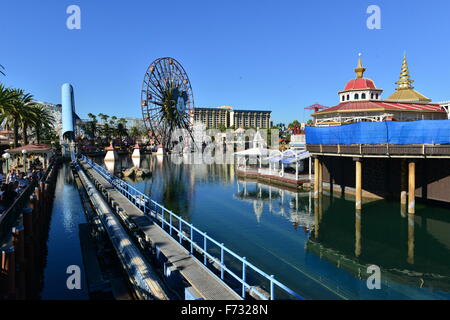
(289, 157)
(254, 152)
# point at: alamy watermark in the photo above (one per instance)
(208, 146)
(73, 22)
(374, 20)
(374, 280)
(73, 281)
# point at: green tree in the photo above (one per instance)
(90, 127)
(294, 124)
(7, 97)
(121, 130)
(2, 70)
(43, 123)
(135, 132)
(17, 114)
(106, 129)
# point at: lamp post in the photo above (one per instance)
(7, 156)
(24, 152)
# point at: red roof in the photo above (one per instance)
(359, 84)
(383, 105)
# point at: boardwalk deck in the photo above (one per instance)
(208, 285)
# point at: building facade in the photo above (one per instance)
(361, 101)
(226, 116)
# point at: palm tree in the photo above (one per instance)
(103, 116)
(1, 69)
(42, 120)
(91, 126)
(17, 113)
(121, 130)
(7, 96)
(135, 132)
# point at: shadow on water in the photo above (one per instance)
(321, 249)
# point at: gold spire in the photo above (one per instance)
(405, 91)
(404, 82)
(360, 69)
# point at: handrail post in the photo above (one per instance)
(192, 239)
(221, 261)
(243, 276)
(272, 292)
(181, 231)
(204, 249)
(170, 221)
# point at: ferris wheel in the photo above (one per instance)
(166, 100)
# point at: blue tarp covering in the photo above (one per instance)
(392, 132)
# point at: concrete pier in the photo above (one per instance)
(202, 280)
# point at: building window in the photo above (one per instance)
(343, 98)
(348, 97)
(371, 96)
(363, 96)
(376, 96)
(356, 96)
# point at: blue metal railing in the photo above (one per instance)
(156, 210)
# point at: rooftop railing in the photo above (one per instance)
(182, 230)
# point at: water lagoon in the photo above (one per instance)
(320, 250)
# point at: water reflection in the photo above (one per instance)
(330, 257)
(297, 210)
(380, 239)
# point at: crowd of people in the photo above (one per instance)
(14, 183)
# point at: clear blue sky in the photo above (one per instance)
(265, 54)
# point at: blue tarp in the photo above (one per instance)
(392, 132)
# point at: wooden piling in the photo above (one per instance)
(358, 184)
(320, 178)
(316, 178)
(412, 188)
(19, 247)
(30, 246)
(403, 187)
(9, 265)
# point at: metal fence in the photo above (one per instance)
(186, 231)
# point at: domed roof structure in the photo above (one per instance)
(360, 88)
(360, 84)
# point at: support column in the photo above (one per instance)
(358, 184)
(320, 178)
(310, 170)
(412, 188)
(403, 187)
(316, 178)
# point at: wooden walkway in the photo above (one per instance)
(208, 285)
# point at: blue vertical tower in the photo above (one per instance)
(68, 111)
